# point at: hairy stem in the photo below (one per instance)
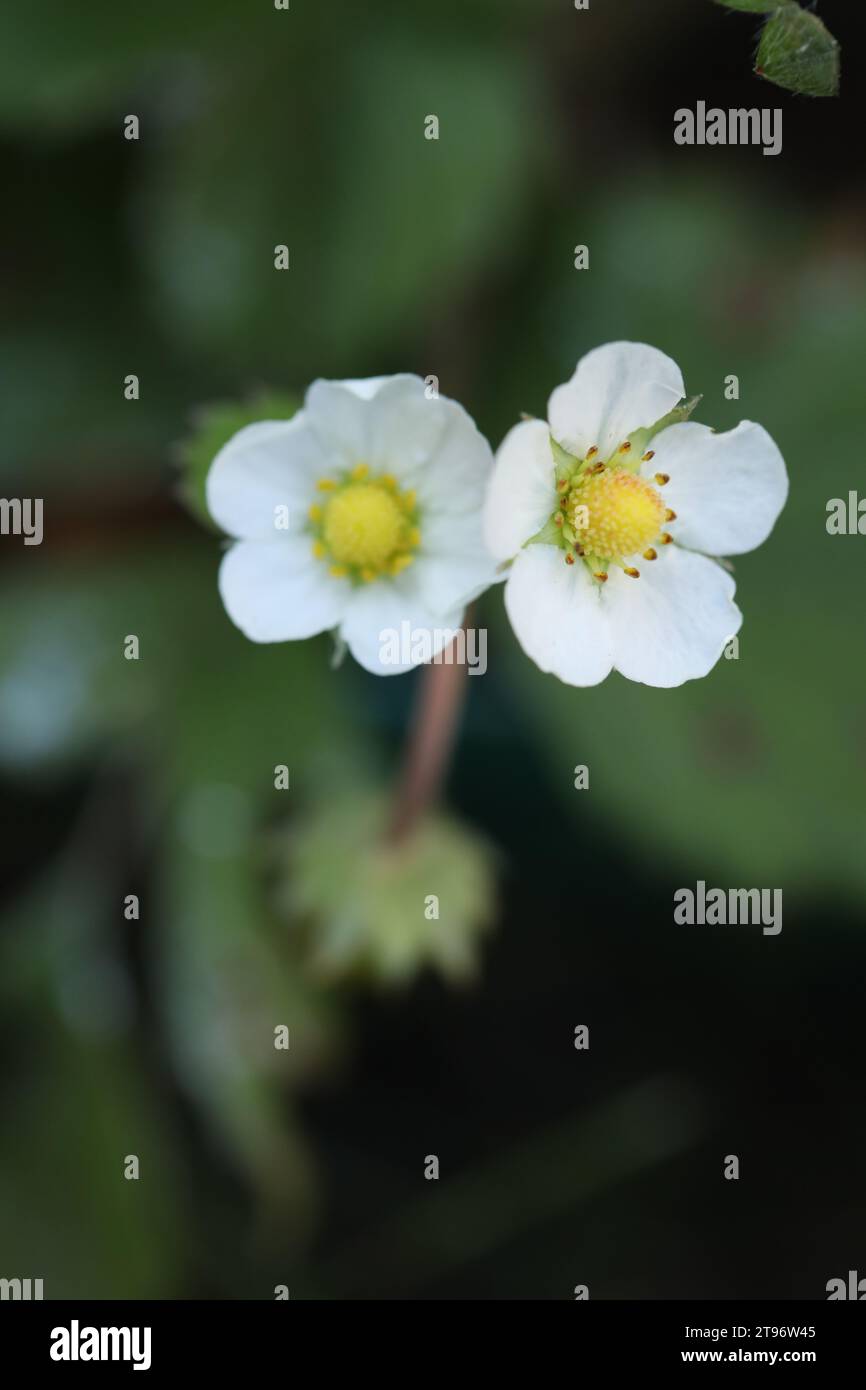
(431, 739)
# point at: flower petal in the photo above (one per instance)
(271, 464)
(726, 489)
(615, 389)
(557, 616)
(395, 425)
(673, 623)
(521, 494)
(453, 566)
(276, 591)
(386, 422)
(459, 467)
(377, 611)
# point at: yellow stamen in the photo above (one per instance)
(616, 512)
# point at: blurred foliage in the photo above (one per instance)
(392, 908)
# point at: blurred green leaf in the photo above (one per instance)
(78, 1081)
(434, 210)
(797, 52)
(212, 427)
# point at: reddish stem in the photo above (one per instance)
(431, 739)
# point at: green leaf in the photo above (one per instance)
(394, 204)
(213, 426)
(753, 6)
(797, 52)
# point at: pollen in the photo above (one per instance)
(616, 512)
(366, 527)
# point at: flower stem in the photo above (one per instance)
(431, 739)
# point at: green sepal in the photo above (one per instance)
(564, 463)
(550, 534)
(641, 438)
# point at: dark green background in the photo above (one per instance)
(455, 258)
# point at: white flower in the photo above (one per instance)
(361, 513)
(617, 575)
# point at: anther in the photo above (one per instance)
(601, 577)
(569, 559)
(562, 485)
(624, 448)
(631, 572)
(650, 454)
(650, 554)
(665, 537)
(662, 478)
(670, 515)
(558, 518)
(591, 453)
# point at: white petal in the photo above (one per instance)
(274, 463)
(726, 489)
(453, 566)
(557, 616)
(427, 442)
(673, 623)
(365, 387)
(615, 389)
(386, 422)
(455, 477)
(276, 591)
(375, 611)
(521, 494)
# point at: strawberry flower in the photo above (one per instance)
(611, 511)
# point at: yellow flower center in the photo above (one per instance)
(367, 526)
(614, 513)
